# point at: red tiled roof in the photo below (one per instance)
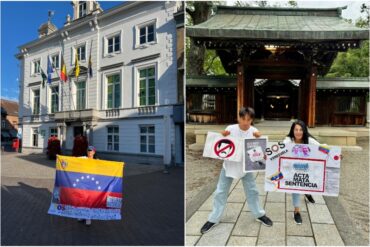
(11, 107)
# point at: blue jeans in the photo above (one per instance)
(296, 200)
(222, 191)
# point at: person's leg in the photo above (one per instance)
(252, 195)
(88, 222)
(220, 197)
(296, 199)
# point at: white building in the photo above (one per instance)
(130, 108)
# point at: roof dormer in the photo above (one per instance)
(84, 8)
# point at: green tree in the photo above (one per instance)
(354, 62)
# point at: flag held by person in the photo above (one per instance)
(87, 188)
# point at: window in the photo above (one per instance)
(114, 44)
(113, 138)
(81, 53)
(203, 102)
(36, 66)
(146, 34)
(349, 104)
(3, 124)
(36, 102)
(53, 132)
(55, 61)
(147, 86)
(147, 139)
(54, 99)
(81, 95)
(114, 91)
(82, 9)
(35, 137)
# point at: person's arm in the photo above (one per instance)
(256, 133)
(226, 132)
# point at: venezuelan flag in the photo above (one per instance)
(82, 184)
(324, 149)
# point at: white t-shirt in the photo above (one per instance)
(235, 169)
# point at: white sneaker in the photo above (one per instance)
(88, 223)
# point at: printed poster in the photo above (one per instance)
(303, 168)
(222, 147)
(254, 154)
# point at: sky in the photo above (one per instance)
(19, 24)
(21, 20)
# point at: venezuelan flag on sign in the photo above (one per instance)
(87, 188)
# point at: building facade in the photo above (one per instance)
(340, 101)
(9, 120)
(281, 52)
(127, 105)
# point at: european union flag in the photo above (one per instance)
(50, 69)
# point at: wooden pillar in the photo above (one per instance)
(302, 100)
(249, 91)
(240, 86)
(311, 97)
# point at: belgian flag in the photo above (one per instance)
(63, 71)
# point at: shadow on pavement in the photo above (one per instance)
(39, 159)
(153, 214)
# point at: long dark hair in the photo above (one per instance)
(306, 134)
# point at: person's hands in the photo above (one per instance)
(256, 134)
(225, 132)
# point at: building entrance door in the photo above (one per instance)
(277, 107)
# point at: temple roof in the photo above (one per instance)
(303, 24)
(322, 83)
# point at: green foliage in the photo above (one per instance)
(353, 63)
(212, 64)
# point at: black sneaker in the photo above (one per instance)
(265, 220)
(207, 227)
(297, 218)
(309, 198)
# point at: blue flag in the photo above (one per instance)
(50, 69)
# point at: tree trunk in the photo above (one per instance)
(195, 55)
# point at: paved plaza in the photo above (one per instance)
(152, 212)
(238, 226)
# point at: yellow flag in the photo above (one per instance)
(77, 67)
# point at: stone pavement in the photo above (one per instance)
(152, 213)
(238, 226)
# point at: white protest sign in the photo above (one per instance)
(303, 168)
(254, 156)
(224, 148)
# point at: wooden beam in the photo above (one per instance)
(311, 99)
(249, 91)
(240, 86)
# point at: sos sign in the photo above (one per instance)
(275, 148)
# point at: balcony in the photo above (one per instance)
(147, 110)
(77, 115)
